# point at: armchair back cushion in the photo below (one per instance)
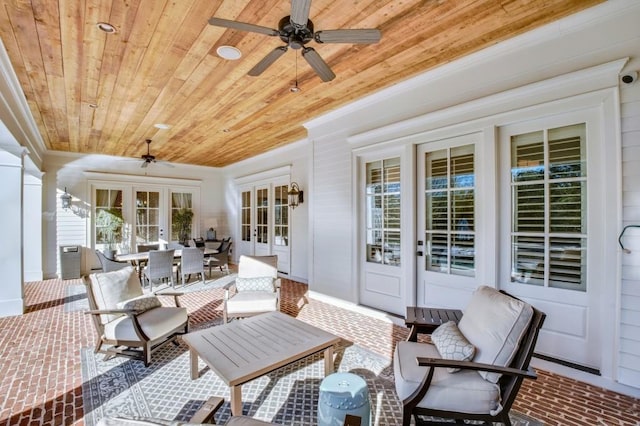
(111, 288)
(262, 266)
(494, 323)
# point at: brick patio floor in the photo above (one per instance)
(41, 382)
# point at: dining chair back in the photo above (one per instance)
(220, 259)
(160, 267)
(109, 265)
(192, 262)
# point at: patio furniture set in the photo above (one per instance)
(472, 368)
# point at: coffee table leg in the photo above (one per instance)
(193, 355)
(328, 361)
(236, 400)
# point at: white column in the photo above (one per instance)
(11, 257)
(32, 201)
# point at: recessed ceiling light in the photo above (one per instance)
(229, 52)
(94, 106)
(106, 27)
(226, 130)
(162, 126)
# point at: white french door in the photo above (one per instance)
(264, 221)
(263, 218)
(151, 219)
(446, 221)
(550, 202)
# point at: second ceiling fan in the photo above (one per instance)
(296, 30)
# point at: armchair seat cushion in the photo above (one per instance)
(465, 391)
(252, 301)
(155, 323)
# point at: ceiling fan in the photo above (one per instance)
(296, 31)
(148, 158)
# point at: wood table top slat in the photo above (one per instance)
(243, 350)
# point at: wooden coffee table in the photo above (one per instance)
(243, 350)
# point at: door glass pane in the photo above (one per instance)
(281, 216)
(147, 217)
(383, 211)
(181, 216)
(262, 214)
(450, 210)
(549, 241)
(109, 226)
(246, 216)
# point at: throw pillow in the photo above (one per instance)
(254, 284)
(452, 344)
(141, 304)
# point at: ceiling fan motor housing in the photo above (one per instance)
(295, 37)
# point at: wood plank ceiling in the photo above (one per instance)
(92, 92)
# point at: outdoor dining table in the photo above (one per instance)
(136, 259)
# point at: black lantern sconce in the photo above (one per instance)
(66, 199)
(295, 195)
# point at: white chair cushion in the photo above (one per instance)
(452, 344)
(464, 391)
(141, 303)
(155, 323)
(251, 302)
(111, 288)
(494, 323)
(245, 421)
(255, 284)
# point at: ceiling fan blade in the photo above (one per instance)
(144, 164)
(164, 163)
(348, 36)
(318, 64)
(267, 60)
(300, 12)
(242, 26)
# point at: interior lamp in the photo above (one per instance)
(66, 199)
(295, 195)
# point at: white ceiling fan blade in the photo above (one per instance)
(267, 61)
(242, 26)
(318, 64)
(300, 12)
(348, 36)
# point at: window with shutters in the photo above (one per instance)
(383, 211)
(548, 202)
(450, 210)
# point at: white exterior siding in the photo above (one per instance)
(332, 226)
(629, 353)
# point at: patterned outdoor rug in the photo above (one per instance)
(288, 396)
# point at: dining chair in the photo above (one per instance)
(109, 265)
(160, 267)
(192, 262)
(220, 259)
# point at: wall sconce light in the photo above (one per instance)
(295, 195)
(66, 199)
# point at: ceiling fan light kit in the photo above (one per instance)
(296, 30)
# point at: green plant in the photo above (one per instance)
(109, 224)
(182, 224)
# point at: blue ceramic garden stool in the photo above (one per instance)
(342, 394)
